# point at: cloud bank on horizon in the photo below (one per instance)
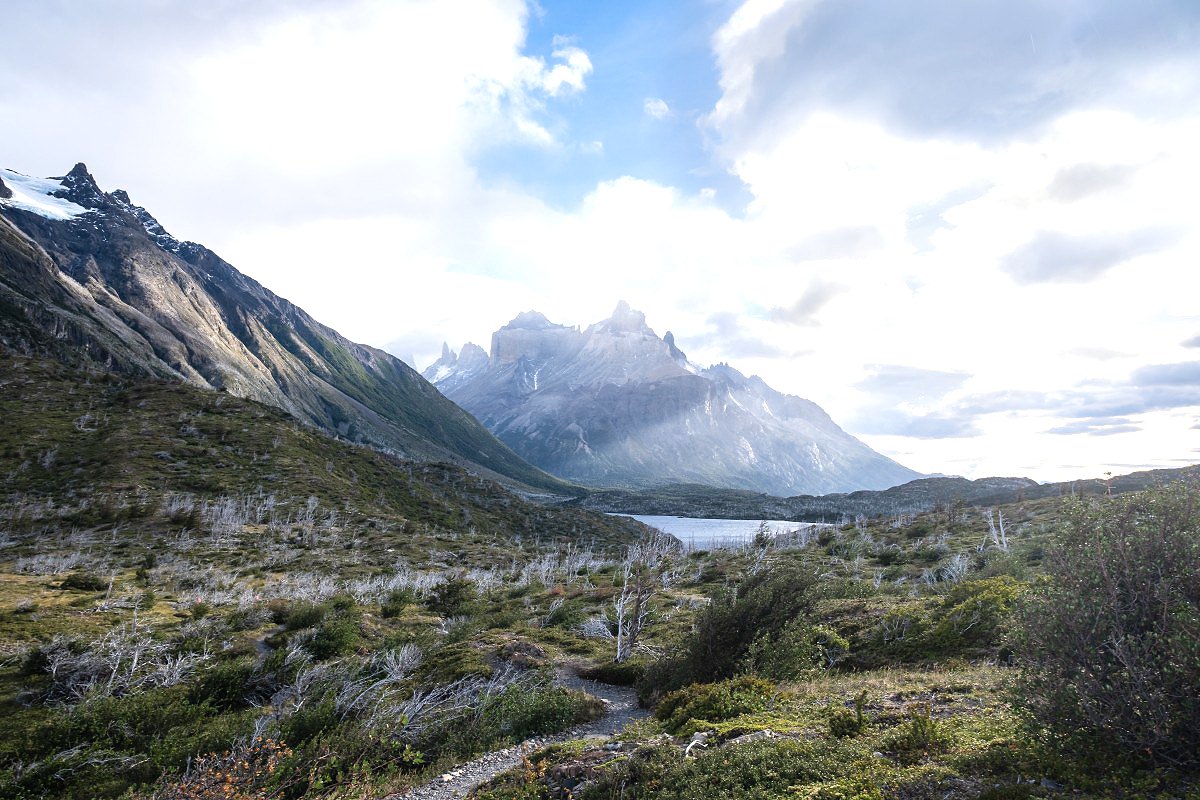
(966, 230)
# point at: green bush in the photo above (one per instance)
(337, 636)
(976, 612)
(845, 722)
(84, 582)
(309, 721)
(799, 649)
(453, 598)
(778, 597)
(225, 685)
(916, 738)
(1109, 643)
(101, 748)
(716, 702)
(627, 673)
(300, 615)
(518, 713)
(861, 785)
(646, 773)
(762, 770)
(395, 603)
(566, 615)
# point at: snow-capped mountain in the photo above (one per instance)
(88, 277)
(616, 405)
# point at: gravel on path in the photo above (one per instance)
(620, 708)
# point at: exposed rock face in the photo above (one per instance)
(615, 405)
(88, 276)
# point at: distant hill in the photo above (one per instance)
(616, 405)
(89, 278)
(690, 500)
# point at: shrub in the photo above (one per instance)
(452, 598)
(799, 649)
(646, 773)
(237, 774)
(916, 738)
(302, 615)
(843, 722)
(84, 582)
(761, 770)
(337, 636)
(716, 702)
(565, 615)
(975, 612)
(518, 713)
(627, 673)
(776, 598)
(395, 603)
(224, 686)
(1109, 644)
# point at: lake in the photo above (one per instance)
(706, 534)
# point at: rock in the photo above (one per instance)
(5, 192)
(757, 736)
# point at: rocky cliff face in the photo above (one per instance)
(616, 405)
(87, 276)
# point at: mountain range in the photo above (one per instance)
(615, 405)
(90, 278)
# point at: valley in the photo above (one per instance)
(244, 557)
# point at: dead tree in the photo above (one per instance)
(644, 571)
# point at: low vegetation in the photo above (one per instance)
(203, 599)
(1026, 651)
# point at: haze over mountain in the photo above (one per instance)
(616, 405)
(87, 276)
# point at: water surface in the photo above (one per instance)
(706, 534)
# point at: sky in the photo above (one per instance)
(968, 230)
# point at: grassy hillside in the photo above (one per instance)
(106, 450)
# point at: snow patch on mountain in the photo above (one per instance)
(37, 196)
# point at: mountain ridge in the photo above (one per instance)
(616, 405)
(89, 277)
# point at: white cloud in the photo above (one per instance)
(568, 76)
(656, 107)
(330, 154)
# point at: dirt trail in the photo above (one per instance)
(621, 708)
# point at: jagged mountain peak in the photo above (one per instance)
(79, 186)
(625, 319)
(472, 352)
(677, 355)
(80, 172)
(531, 321)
